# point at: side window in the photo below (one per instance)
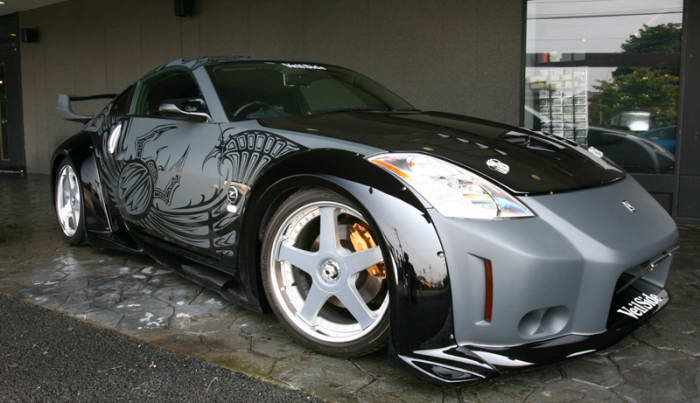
(123, 102)
(167, 85)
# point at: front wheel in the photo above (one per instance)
(69, 203)
(324, 275)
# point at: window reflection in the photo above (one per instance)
(606, 74)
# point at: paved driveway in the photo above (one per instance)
(133, 295)
(50, 357)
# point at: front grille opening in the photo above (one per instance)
(652, 271)
(629, 277)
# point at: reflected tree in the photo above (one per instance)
(644, 89)
(663, 38)
(652, 89)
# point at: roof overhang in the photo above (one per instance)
(13, 6)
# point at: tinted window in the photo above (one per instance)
(123, 102)
(167, 85)
(270, 89)
(335, 94)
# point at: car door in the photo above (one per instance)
(166, 186)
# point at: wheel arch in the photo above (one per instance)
(79, 149)
(76, 148)
(377, 193)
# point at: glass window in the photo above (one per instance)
(328, 93)
(122, 104)
(606, 74)
(169, 85)
(273, 89)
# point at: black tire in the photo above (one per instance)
(371, 342)
(78, 238)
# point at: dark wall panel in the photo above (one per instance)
(689, 158)
(689, 197)
(665, 200)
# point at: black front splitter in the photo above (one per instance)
(470, 363)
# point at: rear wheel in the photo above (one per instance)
(324, 275)
(69, 203)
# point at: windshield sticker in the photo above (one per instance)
(303, 66)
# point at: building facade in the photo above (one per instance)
(621, 76)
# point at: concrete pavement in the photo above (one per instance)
(47, 356)
(660, 362)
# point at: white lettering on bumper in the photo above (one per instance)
(640, 305)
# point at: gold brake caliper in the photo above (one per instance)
(361, 240)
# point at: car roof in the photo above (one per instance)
(197, 62)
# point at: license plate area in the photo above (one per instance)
(636, 303)
(640, 305)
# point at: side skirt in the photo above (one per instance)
(215, 280)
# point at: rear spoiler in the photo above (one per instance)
(65, 112)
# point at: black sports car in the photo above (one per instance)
(467, 246)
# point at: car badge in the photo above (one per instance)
(595, 152)
(629, 206)
(235, 194)
(498, 166)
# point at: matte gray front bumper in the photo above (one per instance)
(562, 265)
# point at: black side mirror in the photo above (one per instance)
(194, 109)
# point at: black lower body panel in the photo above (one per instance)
(467, 363)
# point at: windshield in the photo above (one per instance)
(260, 90)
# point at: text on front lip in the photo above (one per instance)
(640, 305)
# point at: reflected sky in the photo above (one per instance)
(593, 25)
(588, 26)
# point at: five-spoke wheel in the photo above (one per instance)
(325, 276)
(68, 203)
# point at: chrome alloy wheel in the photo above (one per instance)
(68, 203)
(328, 287)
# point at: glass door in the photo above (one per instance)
(11, 127)
(4, 136)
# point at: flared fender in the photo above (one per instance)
(80, 150)
(420, 285)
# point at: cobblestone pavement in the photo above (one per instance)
(660, 362)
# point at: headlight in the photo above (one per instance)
(453, 191)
